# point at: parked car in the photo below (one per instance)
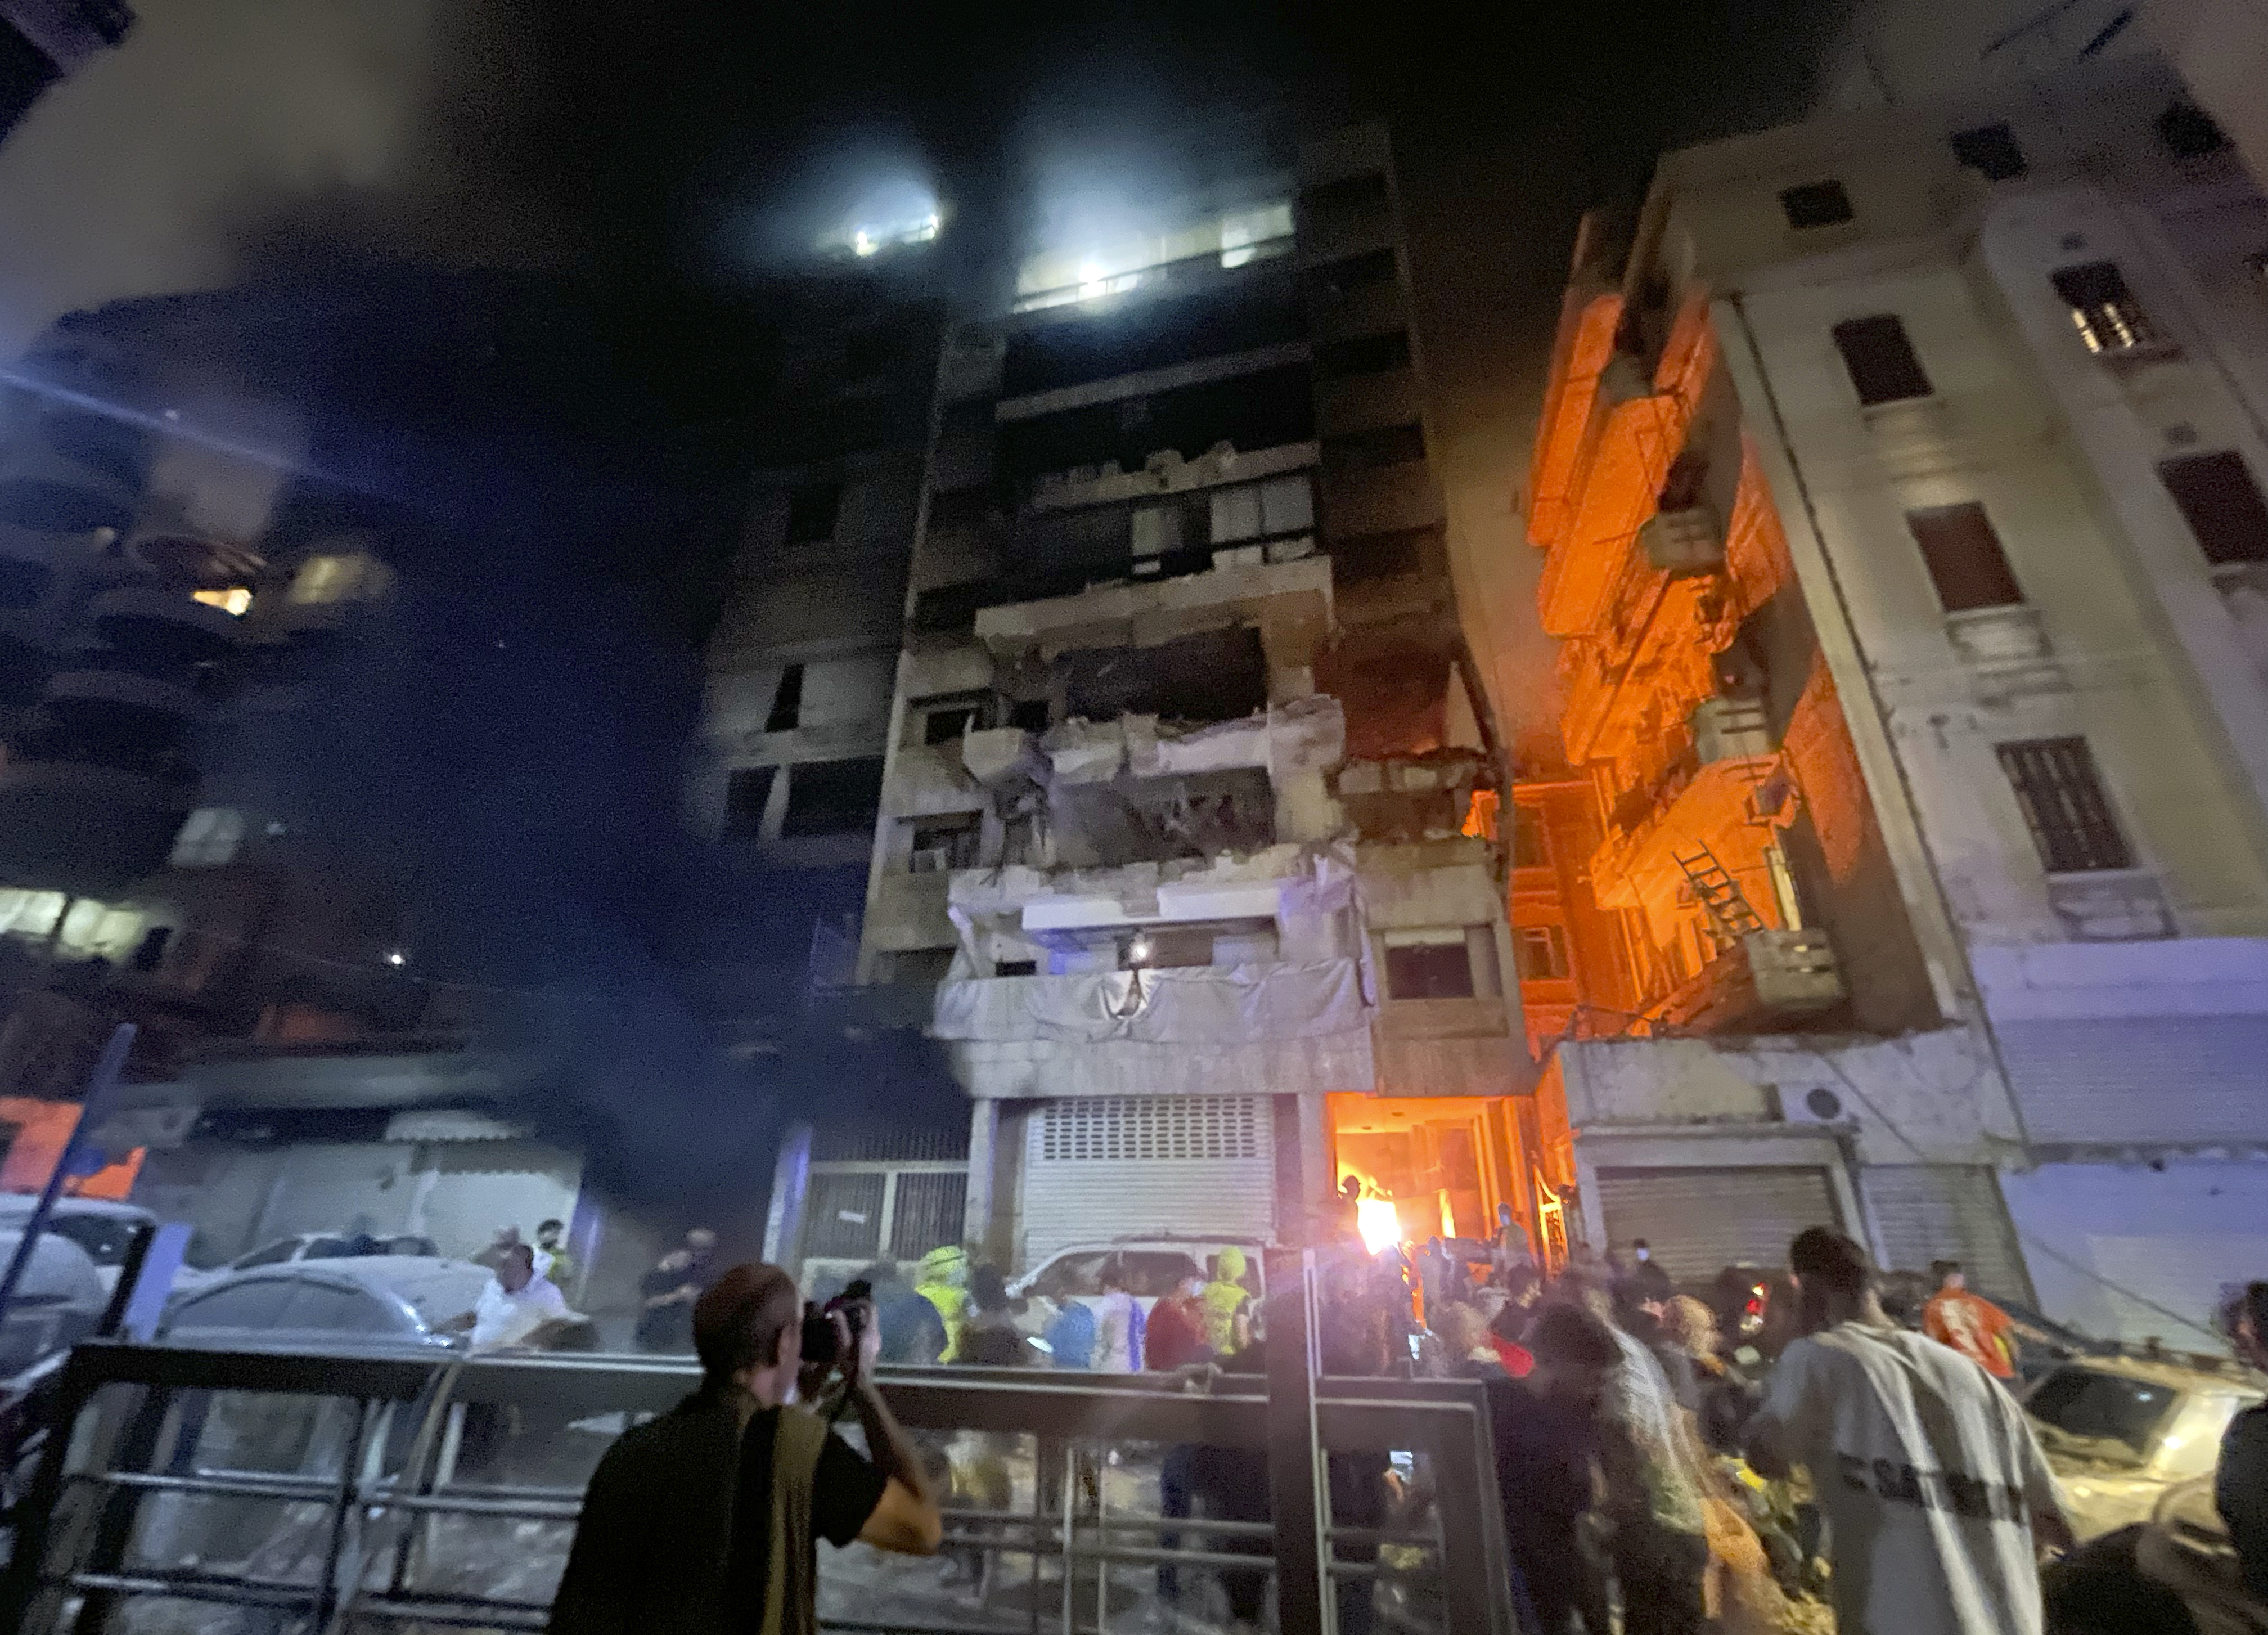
(57, 1303)
(1153, 1266)
(2120, 1429)
(303, 1246)
(384, 1301)
(103, 1228)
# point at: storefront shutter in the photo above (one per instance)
(1113, 1166)
(1699, 1221)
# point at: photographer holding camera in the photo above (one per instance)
(705, 1519)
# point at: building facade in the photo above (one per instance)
(1188, 837)
(1903, 499)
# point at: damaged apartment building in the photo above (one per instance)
(1900, 489)
(1187, 830)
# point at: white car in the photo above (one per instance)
(57, 1303)
(104, 1229)
(1152, 1266)
(303, 1246)
(2119, 1431)
(383, 1301)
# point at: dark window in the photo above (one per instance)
(1990, 150)
(1364, 355)
(1529, 849)
(1365, 192)
(1543, 951)
(1816, 204)
(2107, 317)
(955, 606)
(1881, 359)
(1429, 970)
(149, 952)
(944, 845)
(2221, 503)
(1341, 278)
(2063, 804)
(787, 702)
(946, 718)
(810, 512)
(1015, 968)
(833, 797)
(2188, 132)
(747, 792)
(1364, 450)
(1964, 558)
(1397, 551)
(959, 508)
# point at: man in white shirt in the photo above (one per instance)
(516, 1308)
(1937, 1496)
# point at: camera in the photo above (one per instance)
(823, 1342)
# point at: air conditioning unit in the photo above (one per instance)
(1810, 1104)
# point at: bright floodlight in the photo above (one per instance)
(1379, 1226)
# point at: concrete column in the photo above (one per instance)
(1317, 1181)
(791, 1175)
(983, 1137)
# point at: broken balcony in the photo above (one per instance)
(1760, 982)
(1289, 603)
(1135, 788)
(1706, 791)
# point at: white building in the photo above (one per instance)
(2001, 365)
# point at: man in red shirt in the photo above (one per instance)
(1175, 1336)
(1970, 1323)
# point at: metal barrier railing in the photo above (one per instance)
(343, 1492)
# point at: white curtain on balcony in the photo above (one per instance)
(1199, 1005)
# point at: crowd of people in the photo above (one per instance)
(1740, 1454)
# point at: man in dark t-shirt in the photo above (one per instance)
(1547, 1454)
(704, 1520)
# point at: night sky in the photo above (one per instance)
(518, 748)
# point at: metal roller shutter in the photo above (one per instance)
(1699, 1221)
(1946, 1211)
(1121, 1166)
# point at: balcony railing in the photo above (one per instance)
(1765, 980)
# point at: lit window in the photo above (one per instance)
(335, 576)
(2103, 308)
(209, 838)
(234, 600)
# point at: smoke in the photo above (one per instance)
(165, 164)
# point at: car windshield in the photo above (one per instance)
(105, 1238)
(2096, 1415)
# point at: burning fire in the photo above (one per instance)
(1379, 1226)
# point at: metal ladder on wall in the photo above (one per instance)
(1718, 892)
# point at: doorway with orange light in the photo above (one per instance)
(1442, 1163)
